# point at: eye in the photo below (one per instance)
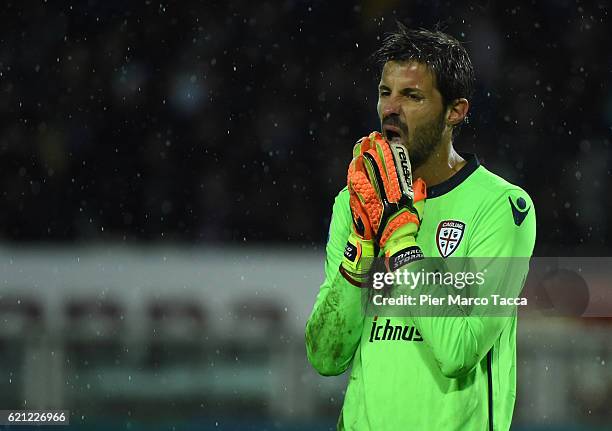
(383, 93)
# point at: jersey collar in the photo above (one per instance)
(446, 186)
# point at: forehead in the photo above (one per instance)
(407, 74)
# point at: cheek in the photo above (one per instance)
(410, 117)
(379, 109)
(415, 114)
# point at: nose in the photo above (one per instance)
(390, 107)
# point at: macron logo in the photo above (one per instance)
(518, 211)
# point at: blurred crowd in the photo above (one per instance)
(234, 122)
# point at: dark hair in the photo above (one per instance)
(442, 53)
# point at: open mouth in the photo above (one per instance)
(392, 135)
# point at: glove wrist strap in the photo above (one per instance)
(357, 259)
(401, 252)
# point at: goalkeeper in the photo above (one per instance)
(447, 372)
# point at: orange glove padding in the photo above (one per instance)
(385, 204)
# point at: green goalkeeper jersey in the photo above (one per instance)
(451, 372)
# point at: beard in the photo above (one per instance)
(425, 140)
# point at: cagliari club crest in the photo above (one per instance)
(449, 236)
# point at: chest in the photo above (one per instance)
(446, 228)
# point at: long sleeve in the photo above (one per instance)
(334, 328)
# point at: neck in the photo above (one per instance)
(443, 163)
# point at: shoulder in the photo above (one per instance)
(343, 193)
(341, 211)
(341, 201)
(503, 206)
(340, 223)
(504, 218)
(491, 186)
(494, 191)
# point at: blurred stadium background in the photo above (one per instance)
(167, 171)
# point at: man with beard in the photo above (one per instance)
(434, 369)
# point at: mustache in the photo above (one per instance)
(394, 120)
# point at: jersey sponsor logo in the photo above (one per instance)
(448, 236)
(388, 332)
(519, 210)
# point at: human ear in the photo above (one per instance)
(457, 111)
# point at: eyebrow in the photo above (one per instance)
(406, 90)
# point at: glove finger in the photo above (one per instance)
(394, 162)
(357, 148)
(359, 215)
(376, 181)
(381, 171)
(361, 221)
(403, 172)
(394, 156)
(399, 221)
(413, 216)
(374, 136)
(380, 150)
(368, 199)
(362, 145)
